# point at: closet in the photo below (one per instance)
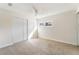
(13, 28)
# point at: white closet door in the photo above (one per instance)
(78, 29)
(25, 29)
(5, 29)
(18, 29)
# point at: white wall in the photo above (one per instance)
(63, 27)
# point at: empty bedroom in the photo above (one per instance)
(39, 28)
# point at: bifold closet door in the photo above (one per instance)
(19, 29)
(78, 29)
(5, 29)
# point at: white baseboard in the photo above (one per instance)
(6, 45)
(58, 41)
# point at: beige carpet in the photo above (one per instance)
(40, 47)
